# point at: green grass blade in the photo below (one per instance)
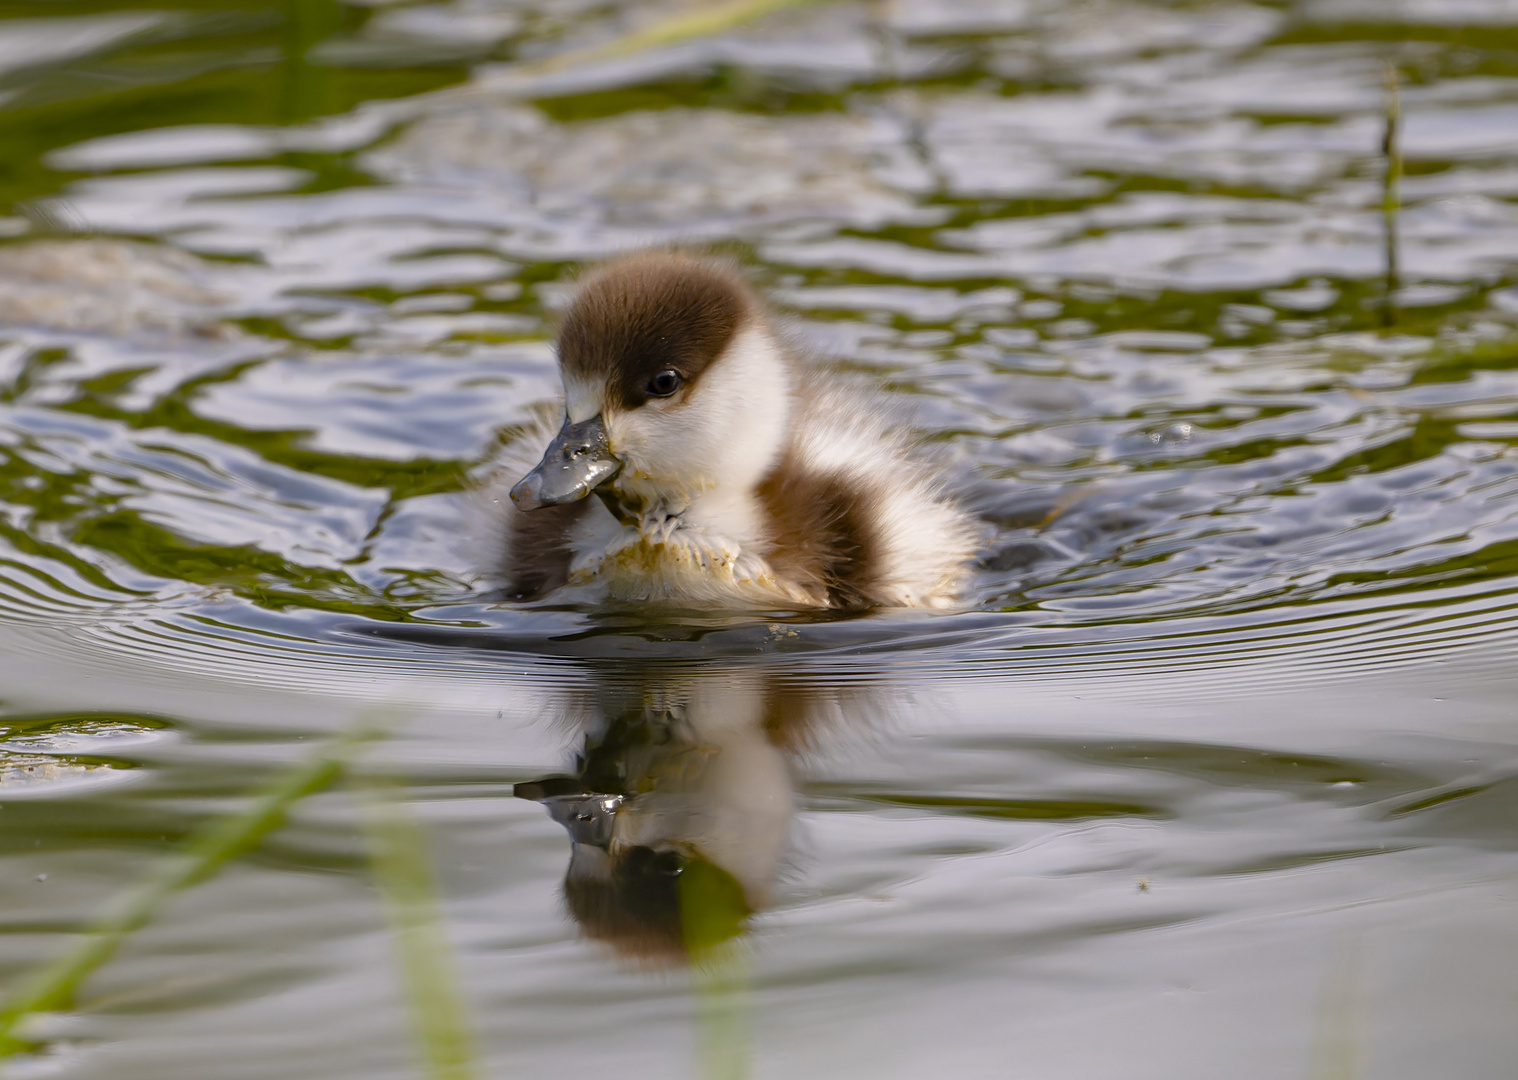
(706, 19)
(723, 979)
(1337, 1035)
(403, 872)
(714, 914)
(201, 856)
(1391, 194)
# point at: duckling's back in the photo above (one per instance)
(859, 514)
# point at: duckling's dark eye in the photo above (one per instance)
(664, 384)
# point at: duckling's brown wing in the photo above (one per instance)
(537, 548)
(821, 535)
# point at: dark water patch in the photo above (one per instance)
(1345, 781)
(42, 756)
(1000, 809)
(1476, 813)
(1310, 859)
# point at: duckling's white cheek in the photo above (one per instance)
(663, 443)
(582, 398)
(739, 410)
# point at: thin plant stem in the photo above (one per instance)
(706, 19)
(403, 872)
(205, 852)
(723, 980)
(1391, 194)
(1336, 1035)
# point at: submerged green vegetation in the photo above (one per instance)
(402, 871)
(201, 855)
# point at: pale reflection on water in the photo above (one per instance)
(683, 796)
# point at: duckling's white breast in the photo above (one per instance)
(665, 562)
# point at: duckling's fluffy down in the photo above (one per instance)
(884, 494)
(856, 515)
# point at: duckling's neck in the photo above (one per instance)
(731, 514)
(709, 550)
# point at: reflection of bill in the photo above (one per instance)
(681, 805)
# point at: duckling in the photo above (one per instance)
(727, 473)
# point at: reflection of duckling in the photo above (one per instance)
(680, 812)
(729, 476)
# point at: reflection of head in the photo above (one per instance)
(662, 907)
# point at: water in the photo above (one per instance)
(1216, 778)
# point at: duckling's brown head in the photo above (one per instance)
(674, 385)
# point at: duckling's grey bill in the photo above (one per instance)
(589, 818)
(576, 463)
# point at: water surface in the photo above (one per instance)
(1215, 777)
